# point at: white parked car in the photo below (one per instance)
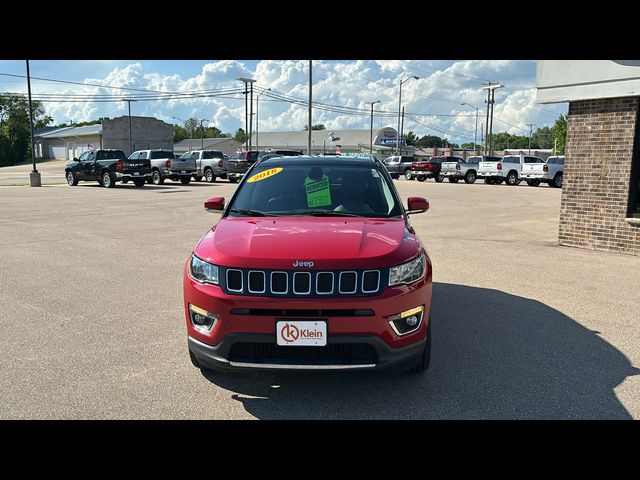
(508, 169)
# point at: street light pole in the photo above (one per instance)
(129, 100)
(371, 129)
(475, 136)
(34, 176)
(258, 117)
(310, 110)
(399, 111)
(530, 130)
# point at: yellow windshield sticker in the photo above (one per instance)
(266, 174)
(318, 193)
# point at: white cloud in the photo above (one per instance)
(435, 98)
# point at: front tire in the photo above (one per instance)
(533, 183)
(125, 180)
(453, 180)
(185, 180)
(71, 179)
(421, 178)
(470, 177)
(209, 176)
(425, 360)
(108, 180)
(557, 181)
(408, 175)
(139, 183)
(157, 178)
(439, 178)
(233, 179)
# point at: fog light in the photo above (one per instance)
(407, 321)
(202, 320)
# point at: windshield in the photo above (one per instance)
(329, 190)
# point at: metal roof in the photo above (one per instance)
(197, 142)
(73, 131)
(317, 160)
(348, 139)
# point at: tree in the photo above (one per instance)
(213, 132)
(542, 138)
(410, 138)
(429, 141)
(240, 136)
(15, 132)
(191, 125)
(317, 126)
(179, 133)
(560, 134)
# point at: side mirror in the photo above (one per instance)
(214, 204)
(417, 205)
(75, 159)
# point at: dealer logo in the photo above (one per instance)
(290, 333)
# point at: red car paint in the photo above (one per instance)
(332, 244)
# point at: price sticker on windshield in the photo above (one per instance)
(318, 193)
(265, 174)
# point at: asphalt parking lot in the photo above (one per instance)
(92, 322)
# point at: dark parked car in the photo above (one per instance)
(107, 167)
(239, 163)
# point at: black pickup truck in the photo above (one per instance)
(107, 167)
(239, 163)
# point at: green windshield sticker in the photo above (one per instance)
(318, 193)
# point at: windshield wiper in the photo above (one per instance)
(253, 213)
(327, 213)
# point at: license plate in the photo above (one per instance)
(297, 332)
(183, 172)
(136, 173)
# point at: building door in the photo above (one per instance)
(57, 151)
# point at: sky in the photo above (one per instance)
(343, 88)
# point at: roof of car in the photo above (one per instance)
(317, 160)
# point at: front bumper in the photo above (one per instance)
(392, 350)
(388, 358)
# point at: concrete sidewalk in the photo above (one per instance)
(52, 173)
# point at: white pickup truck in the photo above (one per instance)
(464, 169)
(550, 172)
(508, 169)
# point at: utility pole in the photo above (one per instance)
(399, 108)
(530, 131)
(371, 129)
(251, 116)
(481, 137)
(129, 100)
(555, 144)
(401, 131)
(246, 108)
(310, 110)
(490, 87)
(34, 177)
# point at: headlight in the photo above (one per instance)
(202, 271)
(407, 272)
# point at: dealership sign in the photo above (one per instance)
(387, 141)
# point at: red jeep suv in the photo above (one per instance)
(314, 265)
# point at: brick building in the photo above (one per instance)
(600, 206)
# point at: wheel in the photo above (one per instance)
(233, 179)
(139, 183)
(197, 178)
(470, 177)
(453, 180)
(512, 178)
(489, 181)
(209, 176)
(498, 181)
(108, 180)
(125, 180)
(557, 181)
(408, 175)
(421, 178)
(395, 176)
(157, 178)
(185, 180)
(71, 179)
(439, 178)
(425, 360)
(533, 183)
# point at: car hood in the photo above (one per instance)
(331, 243)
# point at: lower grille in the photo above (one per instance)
(332, 354)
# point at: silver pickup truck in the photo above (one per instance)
(462, 169)
(164, 164)
(210, 164)
(508, 169)
(550, 172)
